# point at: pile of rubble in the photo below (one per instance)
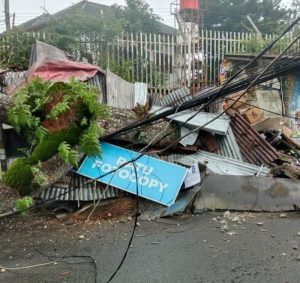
(187, 149)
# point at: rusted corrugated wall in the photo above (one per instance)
(254, 148)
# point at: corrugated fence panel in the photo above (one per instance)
(81, 189)
(120, 93)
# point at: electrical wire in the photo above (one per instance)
(258, 77)
(40, 264)
(237, 100)
(264, 109)
(180, 106)
(132, 161)
(134, 228)
(215, 93)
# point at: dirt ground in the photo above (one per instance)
(7, 198)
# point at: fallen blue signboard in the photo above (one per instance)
(156, 180)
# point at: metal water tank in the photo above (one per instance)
(189, 5)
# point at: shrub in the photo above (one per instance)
(19, 176)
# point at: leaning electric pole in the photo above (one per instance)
(7, 14)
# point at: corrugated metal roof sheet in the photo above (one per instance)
(99, 81)
(176, 97)
(254, 148)
(219, 126)
(228, 146)
(221, 165)
(88, 190)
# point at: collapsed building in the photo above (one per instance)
(240, 138)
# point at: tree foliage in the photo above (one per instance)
(53, 117)
(16, 45)
(66, 30)
(295, 9)
(138, 16)
(231, 15)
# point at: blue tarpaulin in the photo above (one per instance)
(156, 180)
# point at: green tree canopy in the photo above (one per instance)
(295, 9)
(231, 15)
(138, 17)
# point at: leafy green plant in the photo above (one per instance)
(67, 154)
(53, 117)
(39, 177)
(23, 204)
(19, 176)
(257, 43)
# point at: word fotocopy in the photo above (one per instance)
(152, 178)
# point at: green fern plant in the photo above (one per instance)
(43, 103)
(67, 154)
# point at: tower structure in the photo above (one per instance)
(189, 16)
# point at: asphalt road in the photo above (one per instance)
(252, 248)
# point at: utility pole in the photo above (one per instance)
(7, 14)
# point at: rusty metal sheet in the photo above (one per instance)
(254, 148)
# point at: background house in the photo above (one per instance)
(88, 8)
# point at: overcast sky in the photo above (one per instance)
(28, 9)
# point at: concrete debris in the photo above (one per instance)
(230, 222)
(283, 215)
(238, 193)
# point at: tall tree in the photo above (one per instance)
(295, 9)
(231, 15)
(139, 17)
